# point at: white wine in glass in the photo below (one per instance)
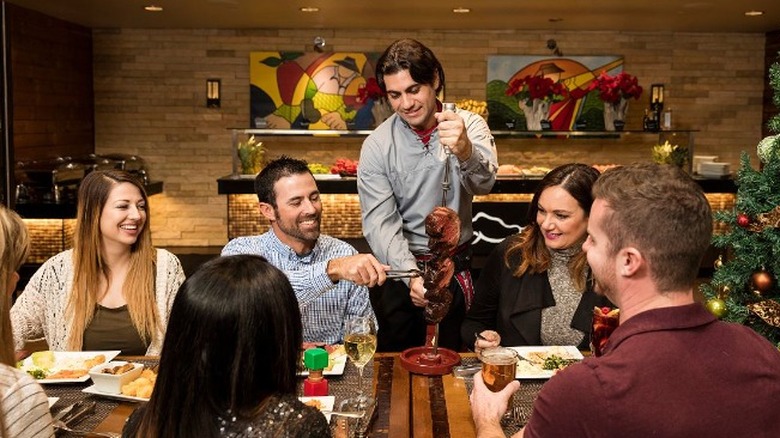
(360, 344)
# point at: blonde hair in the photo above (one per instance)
(89, 263)
(14, 247)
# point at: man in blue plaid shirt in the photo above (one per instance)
(329, 277)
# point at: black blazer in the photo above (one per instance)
(512, 306)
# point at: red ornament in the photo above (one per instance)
(743, 220)
(762, 280)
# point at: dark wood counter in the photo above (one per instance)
(233, 185)
(67, 210)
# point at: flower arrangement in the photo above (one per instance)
(668, 153)
(530, 88)
(370, 90)
(251, 153)
(613, 88)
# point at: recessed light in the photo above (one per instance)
(153, 8)
(310, 9)
(754, 13)
(461, 10)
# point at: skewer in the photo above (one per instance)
(411, 273)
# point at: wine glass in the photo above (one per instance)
(360, 344)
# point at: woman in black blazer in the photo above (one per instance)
(535, 287)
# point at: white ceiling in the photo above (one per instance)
(620, 15)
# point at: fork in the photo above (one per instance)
(59, 425)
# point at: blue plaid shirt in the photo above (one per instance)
(325, 306)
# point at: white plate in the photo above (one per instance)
(120, 397)
(339, 363)
(324, 176)
(530, 370)
(327, 403)
(64, 360)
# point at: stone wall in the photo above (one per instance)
(150, 100)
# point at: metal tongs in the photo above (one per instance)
(409, 273)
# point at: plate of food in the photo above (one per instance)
(337, 359)
(324, 403)
(542, 362)
(137, 390)
(53, 367)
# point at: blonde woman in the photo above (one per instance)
(24, 409)
(113, 290)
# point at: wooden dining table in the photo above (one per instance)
(406, 404)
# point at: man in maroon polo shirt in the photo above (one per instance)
(670, 368)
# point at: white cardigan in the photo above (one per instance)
(40, 309)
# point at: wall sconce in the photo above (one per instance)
(656, 95)
(213, 93)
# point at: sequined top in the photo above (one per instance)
(556, 320)
(284, 417)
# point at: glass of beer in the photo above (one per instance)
(605, 321)
(499, 367)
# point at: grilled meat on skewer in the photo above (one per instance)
(443, 228)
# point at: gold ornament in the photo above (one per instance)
(724, 291)
(768, 311)
(719, 262)
(717, 307)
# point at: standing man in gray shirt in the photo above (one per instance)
(402, 166)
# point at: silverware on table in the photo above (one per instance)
(348, 414)
(59, 425)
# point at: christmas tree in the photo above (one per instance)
(744, 286)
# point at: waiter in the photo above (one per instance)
(402, 166)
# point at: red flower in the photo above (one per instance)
(536, 87)
(370, 90)
(612, 88)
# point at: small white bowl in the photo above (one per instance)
(112, 383)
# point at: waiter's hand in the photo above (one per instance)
(361, 269)
(452, 134)
(417, 292)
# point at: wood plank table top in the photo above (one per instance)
(407, 404)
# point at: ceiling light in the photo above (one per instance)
(310, 9)
(754, 13)
(461, 10)
(153, 8)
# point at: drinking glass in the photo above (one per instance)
(499, 368)
(360, 344)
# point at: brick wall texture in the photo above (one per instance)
(150, 100)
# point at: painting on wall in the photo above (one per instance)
(579, 110)
(317, 91)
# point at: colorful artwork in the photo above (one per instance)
(294, 90)
(580, 110)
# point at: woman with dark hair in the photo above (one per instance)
(230, 358)
(534, 288)
(113, 290)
